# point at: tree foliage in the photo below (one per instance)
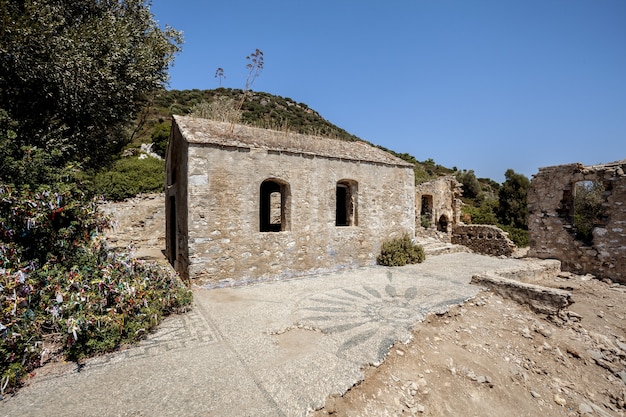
(501, 205)
(513, 210)
(589, 210)
(75, 73)
(471, 185)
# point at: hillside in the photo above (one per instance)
(128, 176)
(259, 109)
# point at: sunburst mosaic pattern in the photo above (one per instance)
(368, 320)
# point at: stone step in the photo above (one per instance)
(533, 270)
(434, 248)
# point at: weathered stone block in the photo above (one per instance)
(540, 299)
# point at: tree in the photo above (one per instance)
(471, 185)
(512, 210)
(75, 73)
(219, 73)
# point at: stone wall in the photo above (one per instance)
(225, 241)
(551, 219)
(437, 206)
(485, 239)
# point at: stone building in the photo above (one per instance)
(438, 205)
(253, 204)
(556, 221)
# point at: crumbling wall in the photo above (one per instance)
(552, 226)
(485, 239)
(437, 206)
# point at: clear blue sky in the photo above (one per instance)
(477, 84)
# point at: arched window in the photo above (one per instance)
(346, 213)
(274, 214)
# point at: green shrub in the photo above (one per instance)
(130, 176)
(400, 251)
(483, 214)
(517, 235)
(161, 137)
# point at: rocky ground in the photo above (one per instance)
(489, 357)
(494, 357)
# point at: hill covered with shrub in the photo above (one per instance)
(264, 110)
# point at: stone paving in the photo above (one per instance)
(272, 349)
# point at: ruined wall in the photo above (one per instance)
(485, 239)
(551, 219)
(437, 206)
(224, 237)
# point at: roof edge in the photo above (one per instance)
(211, 132)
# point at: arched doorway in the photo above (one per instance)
(443, 223)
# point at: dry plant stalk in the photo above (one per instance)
(254, 66)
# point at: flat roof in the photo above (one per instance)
(210, 132)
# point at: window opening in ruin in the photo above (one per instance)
(426, 214)
(274, 214)
(442, 225)
(588, 209)
(346, 203)
(172, 231)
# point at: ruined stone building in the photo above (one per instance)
(438, 205)
(588, 235)
(253, 204)
(438, 214)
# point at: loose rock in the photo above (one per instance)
(559, 400)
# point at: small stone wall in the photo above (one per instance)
(551, 214)
(485, 239)
(539, 298)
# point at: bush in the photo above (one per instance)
(161, 138)
(128, 177)
(483, 214)
(400, 251)
(517, 235)
(60, 283)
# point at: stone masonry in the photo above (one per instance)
(551, 219)
(438, 206)
(257, 204)
(485, 239)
